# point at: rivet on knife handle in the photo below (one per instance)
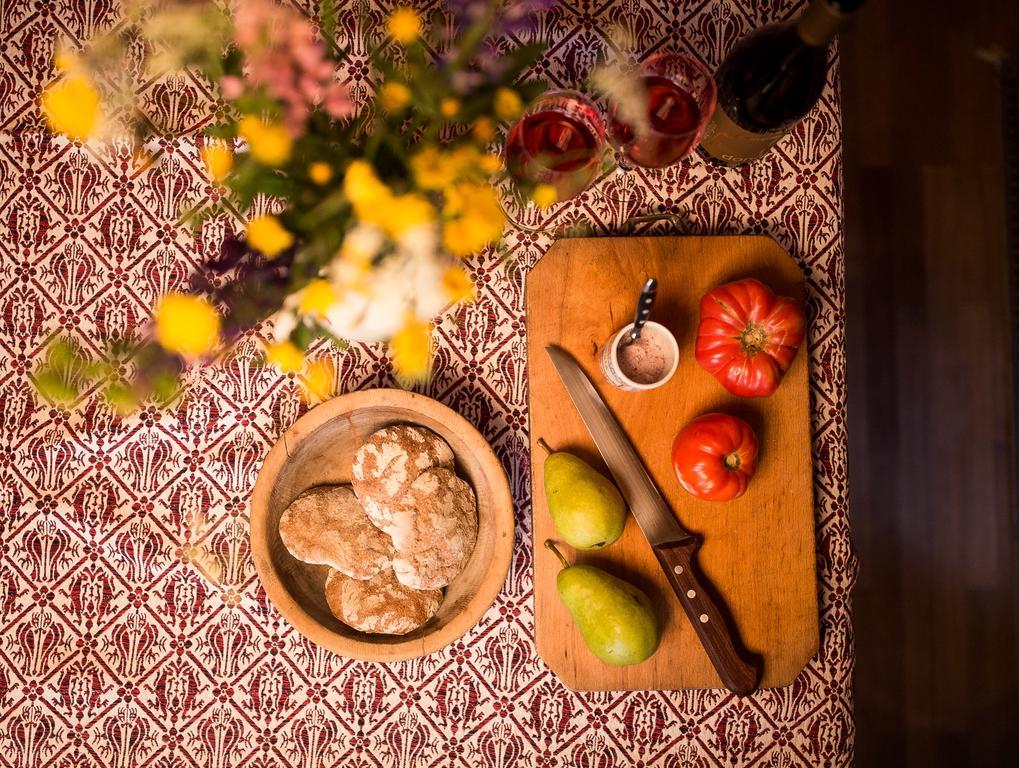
(739, 669)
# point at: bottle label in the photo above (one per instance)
(728, 143)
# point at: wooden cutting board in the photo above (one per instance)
(759, 549)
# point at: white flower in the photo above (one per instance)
(420, 241)
(365, 239)
(375, 300)
(373, 312)
(351, 267)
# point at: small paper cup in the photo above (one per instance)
(612, 371)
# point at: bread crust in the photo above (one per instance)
(327, 525)
(381, 604)
(388, 462)
(434, 529)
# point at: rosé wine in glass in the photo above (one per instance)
(557, 141)
(680, 99)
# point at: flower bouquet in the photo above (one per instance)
(355, 196)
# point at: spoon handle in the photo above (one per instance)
(644, 305)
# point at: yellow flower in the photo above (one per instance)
(266, 234)
(286, 356)
(411, 348)
(437, 169)
(320, 173)
(449, 106)
(544, 195)
(433, 169)
(71, 107)
(405, 212)
(362, 187)
(270, 144)
(374, 203)
(462, 238)
(466, 159)
(318, 379)
(476, 218)
(317, 297)
(187, 325)
(404, 25)
(219, 161)
(507, 104)
(484, 130)
(394, 96)
(456, 199)
(457, 284)
(490, 163)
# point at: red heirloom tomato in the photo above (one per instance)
(715, 456)
(748, 336)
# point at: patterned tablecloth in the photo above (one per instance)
(133, 629)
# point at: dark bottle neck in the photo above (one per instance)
(819, 23)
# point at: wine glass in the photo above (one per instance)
(681, 96)
(557, 141)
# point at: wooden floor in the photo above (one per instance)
(930, 390)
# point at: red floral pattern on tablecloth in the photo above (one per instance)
(133, 630)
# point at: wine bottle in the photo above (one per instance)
(770, 80)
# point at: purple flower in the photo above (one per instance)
(519, 15)
(467, 11)
(464, 81)
(491, 62)
(511, 16)
(504, 18)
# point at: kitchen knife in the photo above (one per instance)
(674, 546)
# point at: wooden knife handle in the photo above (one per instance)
(739, 669)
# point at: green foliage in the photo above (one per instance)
(327, 18)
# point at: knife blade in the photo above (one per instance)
(673, 545)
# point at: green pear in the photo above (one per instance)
(616, 620)
(586, 508)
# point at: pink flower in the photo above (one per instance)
(284, 57)
(337, 102)
(231, 87)
(310, 87)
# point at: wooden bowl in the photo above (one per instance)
(318, 450)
